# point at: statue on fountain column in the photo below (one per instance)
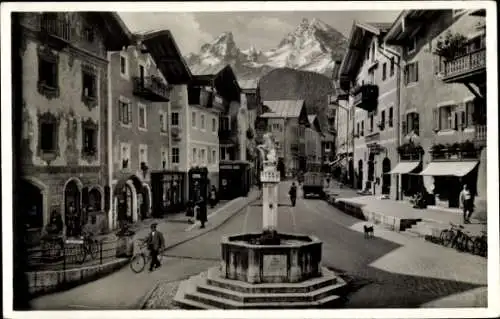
(268, 152)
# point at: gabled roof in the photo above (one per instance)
(248, 84)
(116, 33)
(407, 24)
(163, 49)
(314, 123)
(209, 71)
(284, 108)
(222, 77)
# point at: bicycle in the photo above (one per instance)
(139, 261)
(89, 247)
(456, 237)
(481, 244)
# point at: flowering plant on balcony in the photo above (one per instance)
(450, 45)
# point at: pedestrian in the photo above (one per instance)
(202, 212)
(293, 193)
(156, 243)
(213, 196)
(467, 203)
(190, 211)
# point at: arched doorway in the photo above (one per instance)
(72, 209)
(386, 178)
(360, 174)
(32, 209)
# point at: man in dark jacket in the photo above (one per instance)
(202, 212)
(293, 193)
(156, 243)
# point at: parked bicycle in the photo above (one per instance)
(139, 261)
(481, 244)
(456, 237)
(89, 247)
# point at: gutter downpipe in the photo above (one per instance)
(110, 146)
(398, 94)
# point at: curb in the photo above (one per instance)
(144, 300)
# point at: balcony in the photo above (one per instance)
(151, 88)
(176, 133)
(470, 67)
(480, 139)
(56, 29)
(366, 97)
(372, 138)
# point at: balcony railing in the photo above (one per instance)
(463, 68)
(151, 88)
(480, 135)
(56, 27)
(366, 97)
(372, 137)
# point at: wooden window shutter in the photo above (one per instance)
(416, 123)
(435, 118)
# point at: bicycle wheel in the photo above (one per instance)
(469, 245)
(137, 263)
(446, 237)
(479, 247)
(82, 253)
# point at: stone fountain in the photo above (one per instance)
(267, 270)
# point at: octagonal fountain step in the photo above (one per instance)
(198, 292)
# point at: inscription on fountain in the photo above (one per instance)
(274, 265)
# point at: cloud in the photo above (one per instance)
(185, 28)
(269, 24)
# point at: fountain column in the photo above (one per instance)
(270, 178)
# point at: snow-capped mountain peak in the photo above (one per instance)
(312, 46)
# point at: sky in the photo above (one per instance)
(264, 30)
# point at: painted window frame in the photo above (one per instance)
(176, 159)
(193, 120)
(175, 115)
(139, 124)
(125, 101)
(124, 56)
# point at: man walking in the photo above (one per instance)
(293, 193)
(202, 212)
(467, 203)
(156, 243)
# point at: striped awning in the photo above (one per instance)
(449, 168)
(404, 168)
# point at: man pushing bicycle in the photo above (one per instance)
(156, 243)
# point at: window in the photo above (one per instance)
(214, 125)
(143, 154)
(203, 156)
(384, 71)
(382, 120)
(362, 128)
(175, 119)
(48, 137)
(123, 65)
(214, 156)
(371, 122)
(392, 67)
(48, 73)
(225, 124)
(175, 155)
(202, 121)
(412, 124)
(88, 34)
(89, 140)
(163, 159)
(125, 155)
(446, 117)
(89, 86)
(193, 119)
(357, 129)
(411, 73)
(468, 114)
(391, 116)
(412, 45)
(194, 155)
(163, 122)
(124, 112)
(142, 117)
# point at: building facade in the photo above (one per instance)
(65, 109)
(443, 108)
(140, 99)
(370, 73)
(287, 121)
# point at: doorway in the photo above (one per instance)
(72, 209)
(386, 178)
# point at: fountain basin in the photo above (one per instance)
(296, 259)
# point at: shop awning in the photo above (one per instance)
(449, 168)
(404, 167)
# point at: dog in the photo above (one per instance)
(368, 231)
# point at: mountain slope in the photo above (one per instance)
(312, 46)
